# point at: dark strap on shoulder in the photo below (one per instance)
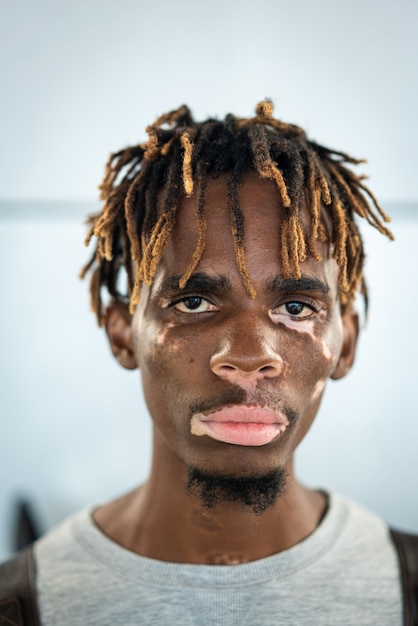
(407, 547)
(17, 591)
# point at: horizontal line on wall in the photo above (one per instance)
(49, 210)
(77, 210)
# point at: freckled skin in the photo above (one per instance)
(232, 349)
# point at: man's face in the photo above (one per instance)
(233, 382)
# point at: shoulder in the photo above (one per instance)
(361, 526)
(19, 576)
(19, 571)
(65, 544)
(364, 546)
(368, 526)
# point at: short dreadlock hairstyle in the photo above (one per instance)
(134, 225)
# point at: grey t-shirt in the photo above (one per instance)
(345, 573)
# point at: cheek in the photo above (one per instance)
(164, 362)
(162, 352)
(311, 357)
(310, 361)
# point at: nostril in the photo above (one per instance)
(271, 371)
(224, 370)
(234, 372)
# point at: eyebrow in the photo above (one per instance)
(304, 283)
(199, 281)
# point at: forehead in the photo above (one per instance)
(259, 202)
(262, 214)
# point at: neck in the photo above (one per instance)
(161, 520)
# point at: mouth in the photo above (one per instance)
(240, 425)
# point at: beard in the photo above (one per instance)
(258, 492)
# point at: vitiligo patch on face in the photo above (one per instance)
(307, 327)
(162, 335)
(318, 389)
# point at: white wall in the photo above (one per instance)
(81, 79)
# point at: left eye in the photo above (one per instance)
(193, 304)
(295, 309)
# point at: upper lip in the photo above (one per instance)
(244, 413)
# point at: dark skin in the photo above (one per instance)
(211, 346)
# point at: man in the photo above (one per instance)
(243, 260)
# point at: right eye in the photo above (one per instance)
(193, 304)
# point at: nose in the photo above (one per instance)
(246, 357)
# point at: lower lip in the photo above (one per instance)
(242, 433)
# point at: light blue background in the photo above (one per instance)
(79, 80)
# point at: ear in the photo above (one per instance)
(118, 329)
(348, 349)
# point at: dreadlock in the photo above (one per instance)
(178, 158)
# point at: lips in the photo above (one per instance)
(240, 425)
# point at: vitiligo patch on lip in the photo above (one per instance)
(240, 425)
(241, 433)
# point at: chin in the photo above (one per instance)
(218, 458)
(257, 491)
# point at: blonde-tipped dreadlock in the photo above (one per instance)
(177, 159)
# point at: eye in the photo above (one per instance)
(193, 304)
(295, 308)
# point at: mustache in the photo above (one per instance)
(236, 395)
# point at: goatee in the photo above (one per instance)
(257, 492)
